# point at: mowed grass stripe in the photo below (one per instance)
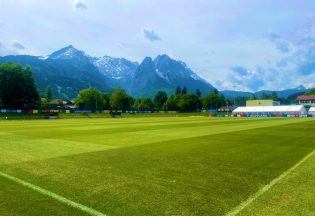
(108, 122)
(141, 136)
(35, 146)
(52, 195)
(17, 148)
(114, 129)
(22, 145)
(294, 195)
(118, 124)
(267, 187)
(121, 125)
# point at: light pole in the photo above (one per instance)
(227, 105)
(234, 95)
(96, 104)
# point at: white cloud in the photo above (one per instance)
(281, 44)
(79, 5)
(6, 51)
(17, 45)
(151, 35)
(295, 67)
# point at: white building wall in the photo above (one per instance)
(312, 111)
(272, 110)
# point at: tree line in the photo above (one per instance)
(181, 100)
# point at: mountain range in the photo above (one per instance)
(287, 93)
(70, 70)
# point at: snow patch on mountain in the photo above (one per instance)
(195, 76)
(115, 68)
(163, 76)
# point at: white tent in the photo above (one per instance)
(271, 110)
(312, 111)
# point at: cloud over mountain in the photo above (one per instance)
(4, 50)
(80, 5)
(17, 45)
(151, 35)
(295, 65)
(281, 44)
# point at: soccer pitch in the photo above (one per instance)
(158, 166)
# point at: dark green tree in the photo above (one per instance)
(171, 103)
(253, 97)
(106, 98)
(215, 91)
(240, 101)
(119, 100)
(183, 102)
(48, 97)
(147, 104)
(178, 90)
(213, 101)
(136, 104)
(184, 90)
(143, 104)
(48, 93)
(17, 87)
(91, 99)
(160, 99)
(265, 96)
(274, 96)
(188, 102)
(198, 93)
(310, 92)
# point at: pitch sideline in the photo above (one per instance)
(55, 196)
(264, 189)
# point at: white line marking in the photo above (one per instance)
(50, 194)
(244, 204)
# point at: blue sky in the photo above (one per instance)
(244, 45)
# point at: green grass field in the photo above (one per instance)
(158, 166)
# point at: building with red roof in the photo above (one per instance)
(307, 100)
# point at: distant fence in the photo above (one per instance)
(55, 112)
(10, 111)
(271, 115)
(51, 111)
(33, 111)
